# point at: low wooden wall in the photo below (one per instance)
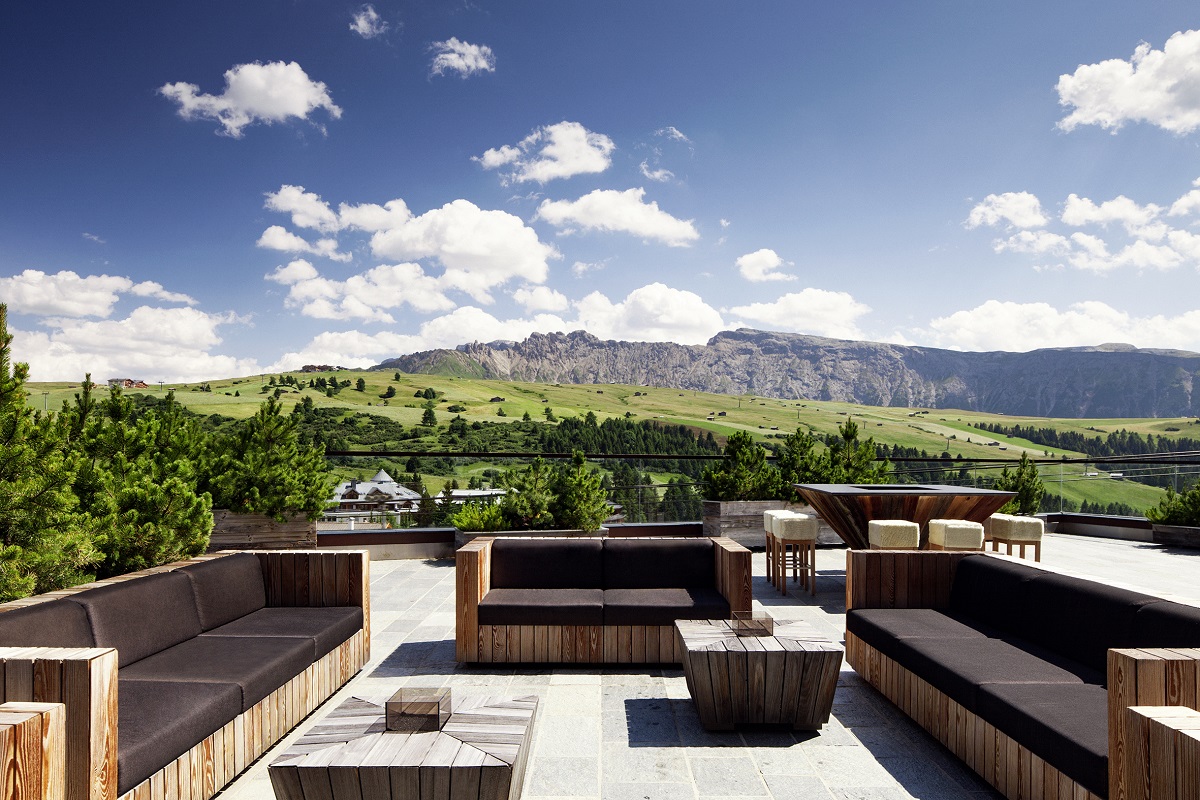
(259, 532)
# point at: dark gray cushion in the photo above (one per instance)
(226, 588)
(662, 606)
(876, 625)
(141, 616)
(542, 607)
(257, 664)
(56, 623)
(659, 563)
(1166, 624)
(325, 627)
(1067, 725)
(547, 564)
(991, 591)
(1080, 619)
(159, 721)
(958, 670)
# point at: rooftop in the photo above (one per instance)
(633, 733)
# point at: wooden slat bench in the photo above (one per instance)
(82, 758)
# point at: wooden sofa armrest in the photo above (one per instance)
(900, 578)
(319, 578)
(1144, 677)
(33, 755)
(1162, 759)
(83, 682)
(732, 564)
(472, 580)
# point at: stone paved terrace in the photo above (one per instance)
(633, 734)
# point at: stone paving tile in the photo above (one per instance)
(643, 765)
(797, 787)
(727, 775)
(564, 776)
(567, 736)
(649, 791)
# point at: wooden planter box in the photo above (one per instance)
(742, 521)
(259, 532)
(1177, 535)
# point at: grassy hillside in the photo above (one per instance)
(934, 431)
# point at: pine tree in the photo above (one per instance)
(1026, 482)
(579, 500)
(43, 545)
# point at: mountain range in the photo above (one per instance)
(1109, 380)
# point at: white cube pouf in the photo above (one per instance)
(893, 534)
(955, 534)
(1011, 529)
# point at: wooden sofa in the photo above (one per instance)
(1028, 675)
(167, 683)
(592, 600)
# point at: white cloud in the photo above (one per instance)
(67, 294)
(358, 349)
(368, 297)
(308, 210)
(541, 298)
(762, 265)
(725, 223)
(997, 325)
(1186, 204)
(466, 59)
(91, 237)
(267, 93)
(671, 132)
(1035, 243)
(367, 23)
(813, 311)
(554, 151)
(479, 249)
(581, 268)
(1159, 87)
(624, 212)
(1017, 209)
(155, 290)
(371, 217)
(660, 175)
(277, 237)
(653, 313)
(168, 344)
(1137, 220)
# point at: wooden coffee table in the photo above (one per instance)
(789, 677)
(479, 754)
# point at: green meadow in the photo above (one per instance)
(935, 431)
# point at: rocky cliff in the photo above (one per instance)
(1103, 381)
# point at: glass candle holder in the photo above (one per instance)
(415, 710)
(746, 624)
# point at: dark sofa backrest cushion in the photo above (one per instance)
(538, 563)
(659, 563)
(992, 591)
(1080, 619)
(141, 616)
(1166, 624)
(227, 588)
(57, 623)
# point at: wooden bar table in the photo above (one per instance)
(848, 507)
(479, 754)
(788, 677)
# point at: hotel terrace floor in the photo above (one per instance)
(633, 733)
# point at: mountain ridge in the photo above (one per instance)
(1105, 380)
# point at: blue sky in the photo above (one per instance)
(191, 191)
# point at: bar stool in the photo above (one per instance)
(955, 534)
(893, 534)
(796, 539)
(772, 546)
(1010, 529)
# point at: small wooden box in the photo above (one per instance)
(746, 624)
(417, 710)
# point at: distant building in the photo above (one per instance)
(380, 495)
(128, 383)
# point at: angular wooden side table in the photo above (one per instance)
(787, 677)
(479, 754)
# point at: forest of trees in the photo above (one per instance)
(108, 485)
